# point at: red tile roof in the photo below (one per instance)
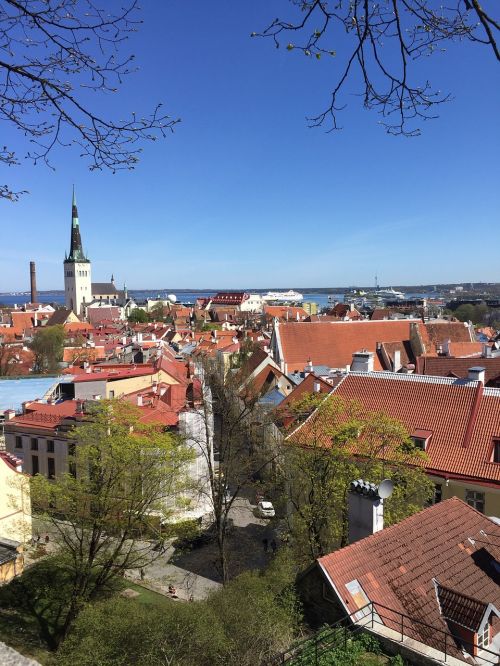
(460, 609)
(456, 331)
(462, 416)
(446, 366)
(465, 348)
(333, 343)
(113, 373)
(285, 312)
(230, 297)
(450, 543)
(42, 415)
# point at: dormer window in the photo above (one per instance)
(420, 438)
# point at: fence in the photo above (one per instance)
(309, 651)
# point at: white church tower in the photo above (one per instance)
(77, 277)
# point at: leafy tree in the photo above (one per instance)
(343, 443)
(47, 346)
(239, 426)
(382, 41)
(123, 473)
(138, 316)
(247, 622)
(157, 312)
(51, 54)
(477, 314)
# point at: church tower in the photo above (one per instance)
(77, 277)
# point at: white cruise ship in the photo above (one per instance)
(390, 293)
(290, 296)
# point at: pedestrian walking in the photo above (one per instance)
(265, 543)
(142, 574)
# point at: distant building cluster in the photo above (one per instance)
(439, 377)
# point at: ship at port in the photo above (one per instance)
(290, 296)
(390, 294)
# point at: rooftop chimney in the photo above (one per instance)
(477, 374)
(366, 508)
(140, 401)
(487, 351)
(396, 363)
(33, 282)
(362, 361)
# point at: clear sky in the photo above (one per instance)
(244, 195)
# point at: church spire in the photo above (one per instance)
(76, 249)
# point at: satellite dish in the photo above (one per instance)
(385, 489)
(172, 298)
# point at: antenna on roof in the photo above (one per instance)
(385, 489)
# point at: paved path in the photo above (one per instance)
(10, 657)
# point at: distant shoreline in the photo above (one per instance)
(310, 290)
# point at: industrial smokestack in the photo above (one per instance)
(33, 282)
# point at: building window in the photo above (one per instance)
(34, 444)
(475, 499)
(34, 465)
(50, 446)
(19, 442)
(419, 443)
(51, 468)
(438, 492)
(71, 457)
(483, 638)
(111, 394)
(496, 450)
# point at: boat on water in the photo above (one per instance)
(290, 296)
(389, 294)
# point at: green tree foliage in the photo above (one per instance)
(47, 346)
(157, 312)
(344, 443)
(477, 314)
(138, 316)
(251, 619)
(124, 475)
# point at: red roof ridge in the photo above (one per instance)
(473, 414)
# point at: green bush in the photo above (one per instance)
(397, 660)
(369, 643)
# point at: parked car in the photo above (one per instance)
(265, 509)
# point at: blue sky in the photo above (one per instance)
(243, 194)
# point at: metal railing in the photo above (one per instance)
(331, 637)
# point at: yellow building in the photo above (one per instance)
(311, 307)
(15, 504)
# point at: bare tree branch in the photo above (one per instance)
(381, 40)
(52, 55)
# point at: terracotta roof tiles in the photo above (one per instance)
(333, 343)
(463, 417)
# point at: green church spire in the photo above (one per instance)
(76, 249)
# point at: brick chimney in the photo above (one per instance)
(34, 296)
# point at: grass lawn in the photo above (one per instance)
(147, 597)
